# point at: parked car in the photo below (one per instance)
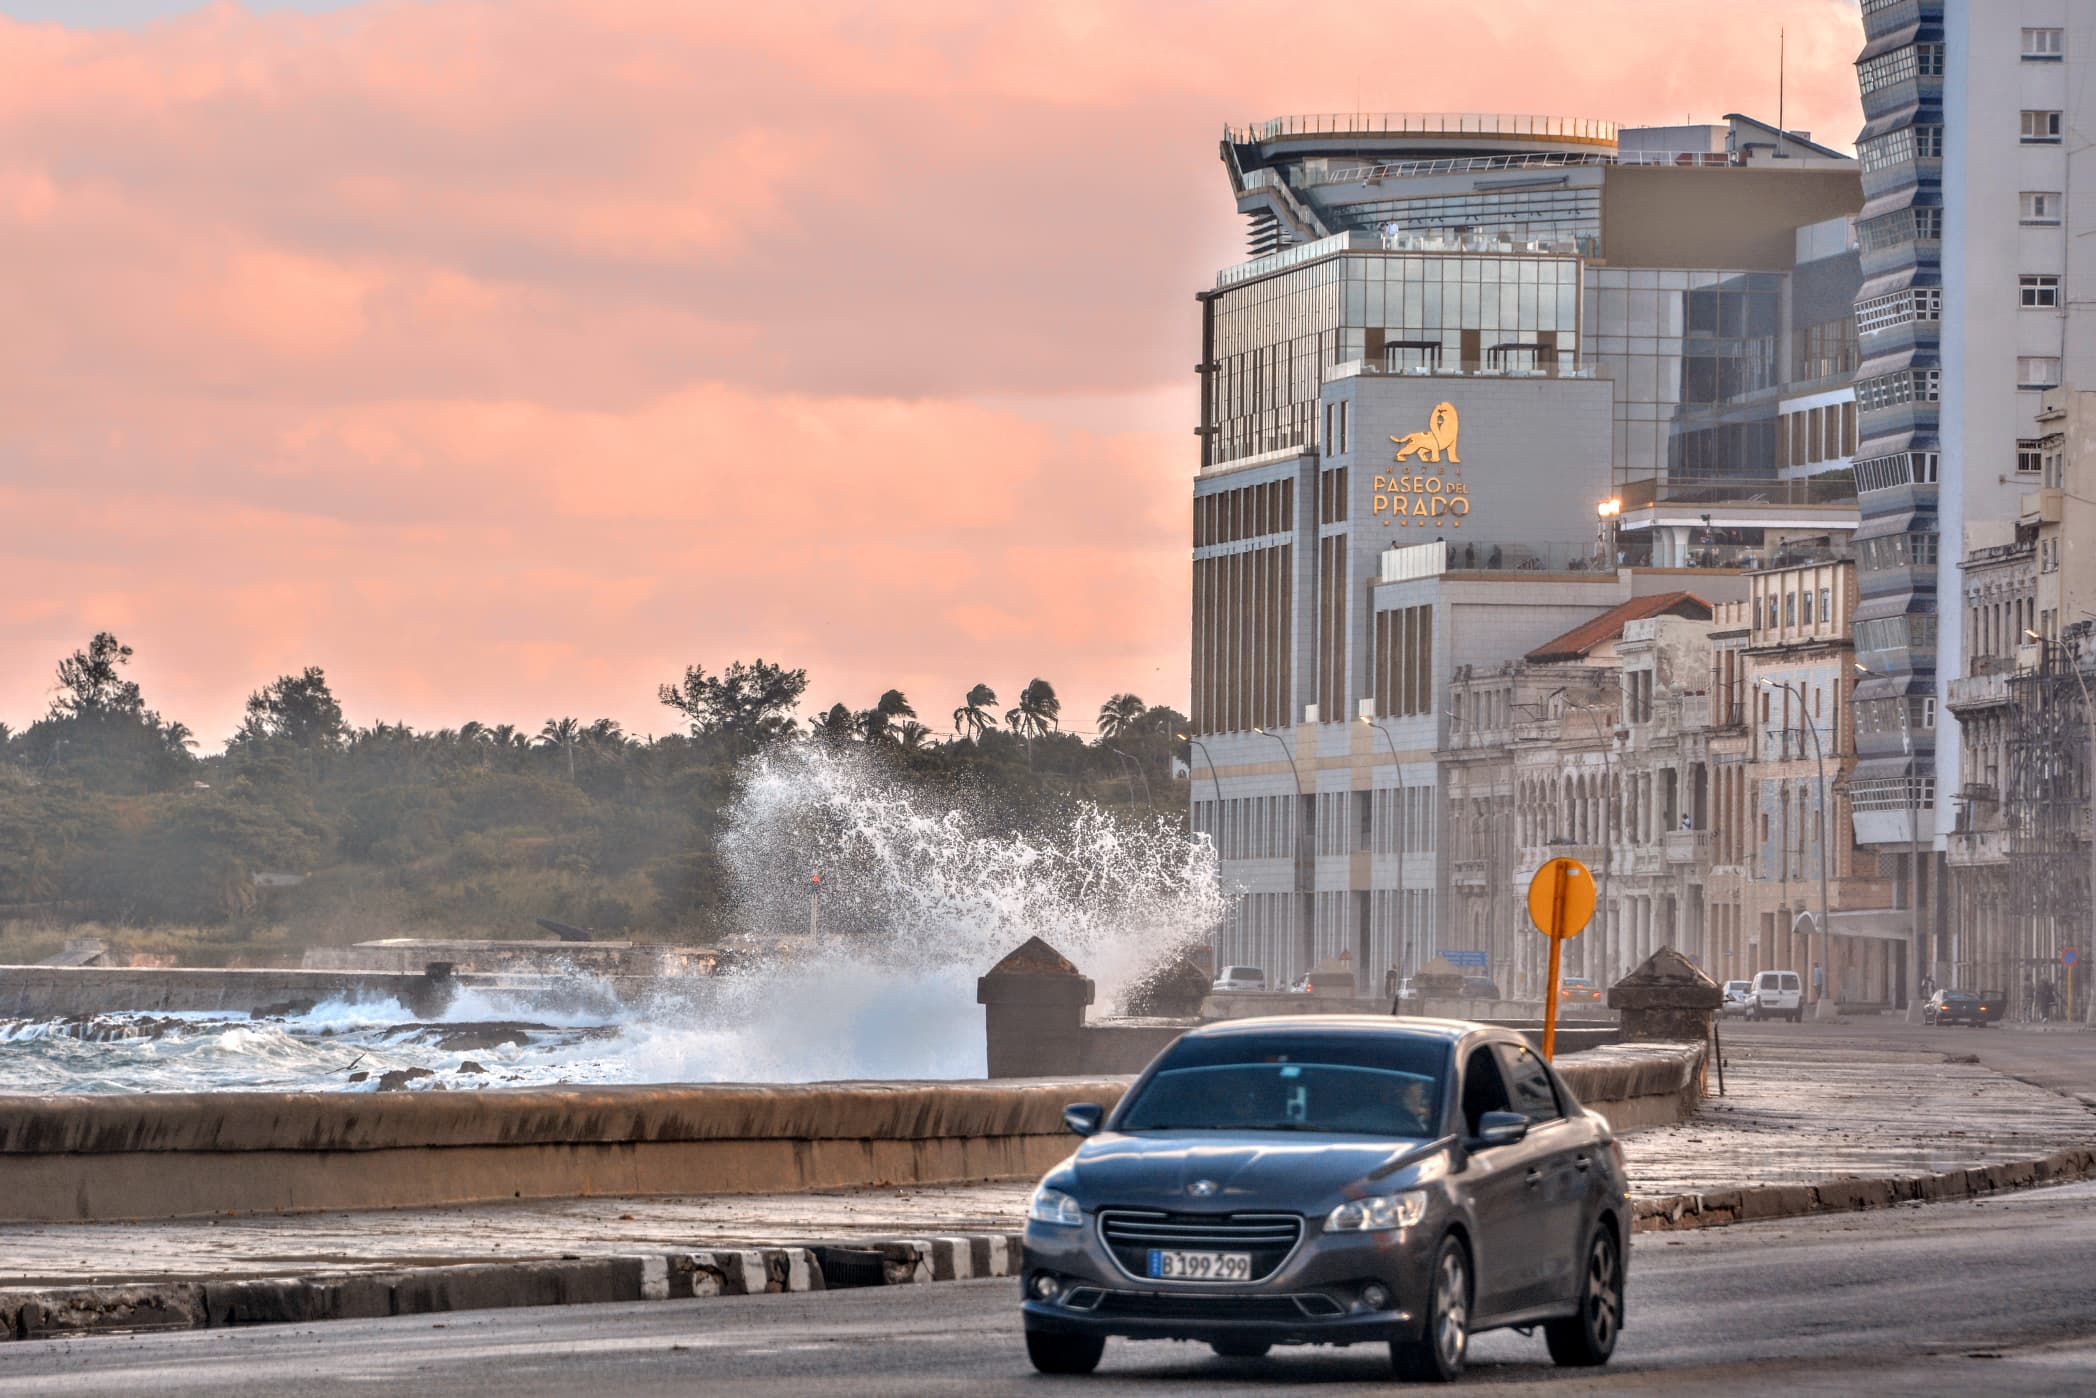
(1578, 990)
(1954, 1007)
(1480, 988)
(1241, 978)
(1778, 995)
(1739, 998)
(1345, 1180)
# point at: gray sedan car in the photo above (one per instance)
(1336, 1180)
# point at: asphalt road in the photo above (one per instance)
(2060, 1059)
(1940, 1298)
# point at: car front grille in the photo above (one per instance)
(1130, 1234)
(1145, 1305)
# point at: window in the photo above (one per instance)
(1928, 60)
(1805, 609)
(1528, 1084)
(2039, 292)
(2041, 206)
(2029, 460)
(2037, 371)
(2041, 128)
(1484, 1090)
(2044, 45)
(1928, 711)
(1826, 605)
(1790, 609)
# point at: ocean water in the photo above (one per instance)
(921, 894)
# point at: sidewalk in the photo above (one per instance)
(1797, 1111)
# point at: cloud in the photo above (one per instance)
(506, 357)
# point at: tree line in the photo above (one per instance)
(109, 814)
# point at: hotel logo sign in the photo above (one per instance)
(1431, 498)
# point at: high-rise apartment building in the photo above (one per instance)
(1965, 317)
(1485, 379)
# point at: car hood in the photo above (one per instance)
(1251, 1170)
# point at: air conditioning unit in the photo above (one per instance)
(1309, 713)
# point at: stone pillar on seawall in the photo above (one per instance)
(1034, 1004)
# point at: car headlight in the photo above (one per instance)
(1378, 1212)
(1054, 1206)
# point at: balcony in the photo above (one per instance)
(1689, 847)
(1974, 692)
(2041, 507)
(1977, 847)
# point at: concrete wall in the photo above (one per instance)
(187, 1155)
(190, 1155)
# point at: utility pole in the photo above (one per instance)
(1819, 759)
(1917, 947)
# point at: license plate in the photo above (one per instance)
(1200, 1266)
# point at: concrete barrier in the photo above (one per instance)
(68, 992)
(197, 1154)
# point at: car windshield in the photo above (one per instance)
(1351, 1084)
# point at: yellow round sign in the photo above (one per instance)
(1561, 898)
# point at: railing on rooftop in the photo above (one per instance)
(1531, 160)
(1505, 367)
(1425, 124)
(1831, 488)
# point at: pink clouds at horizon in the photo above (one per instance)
(506, 358)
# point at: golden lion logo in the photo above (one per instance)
(1439, 438)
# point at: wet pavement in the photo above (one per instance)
(1803, 1104)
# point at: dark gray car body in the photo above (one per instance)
(1526, 1210)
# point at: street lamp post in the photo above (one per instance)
(1295, 824)
(1909, 787)
(1403, 913)
(1819, 760)
(1216, 777)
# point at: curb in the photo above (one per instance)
(59, 1312)
(1769, 1201)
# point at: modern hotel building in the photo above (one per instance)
(1458, 339)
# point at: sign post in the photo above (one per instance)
(1561, 902)
(2068, 957)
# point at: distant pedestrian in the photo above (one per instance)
(1928, 987)
(2047, 997)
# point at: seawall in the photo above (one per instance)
(91, 1158)
(63, 992)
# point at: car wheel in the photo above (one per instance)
(1240, 1349)
(1064, 1354)
(1584, 1340)
(1438, 1355)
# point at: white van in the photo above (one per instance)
(1241, 978)
(1777, 995)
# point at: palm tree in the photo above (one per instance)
(976, 716)
(878, 722)
(1121, 716)
(839, 726)
(912, 734)
(562, 733)
(1036, 713)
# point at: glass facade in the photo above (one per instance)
(1683, 347)
(1272, 339)
(1543, 215)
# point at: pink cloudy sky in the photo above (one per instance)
(505, 356)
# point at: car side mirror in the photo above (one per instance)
(1499, 1129)
(1083, 1118)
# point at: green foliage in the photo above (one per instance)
(107, 817)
